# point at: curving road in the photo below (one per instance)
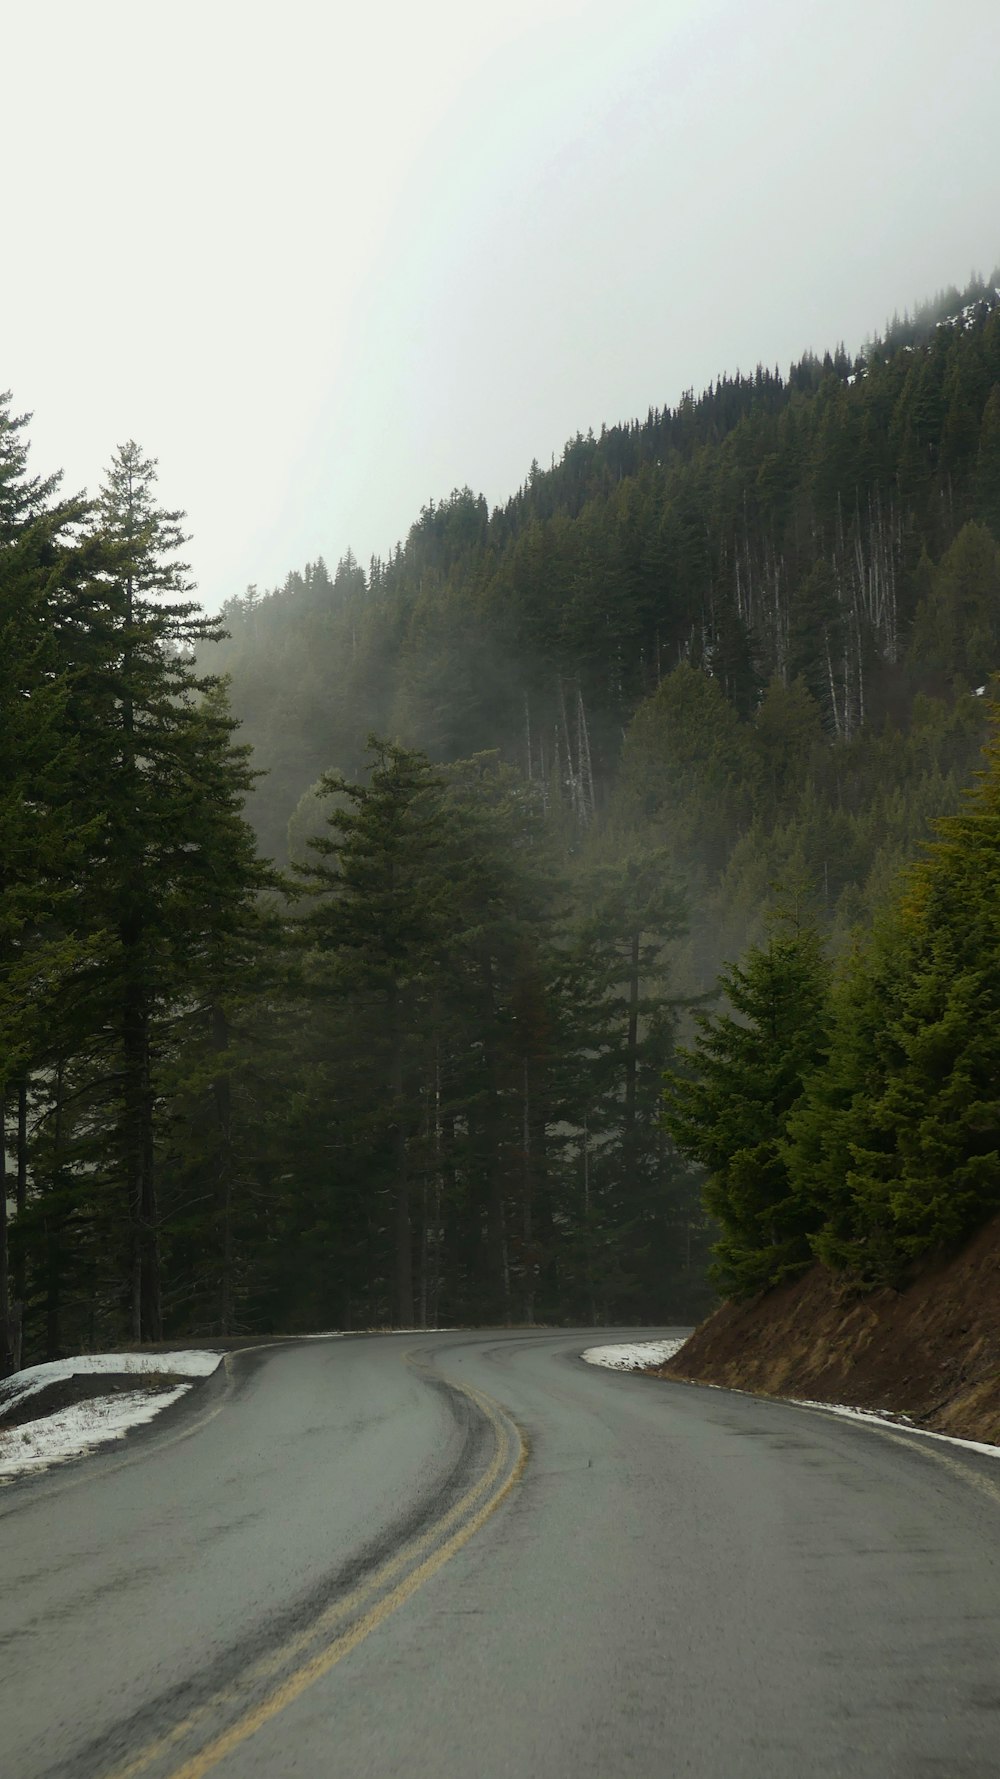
(470, 1556)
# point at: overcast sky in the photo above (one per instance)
(327, 261)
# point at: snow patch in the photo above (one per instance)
(72, 1431)
(634, 1355)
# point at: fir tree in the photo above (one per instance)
(729, 1109)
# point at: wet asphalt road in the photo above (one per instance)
(470, 1556)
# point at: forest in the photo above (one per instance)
(347, 940)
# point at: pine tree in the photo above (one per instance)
(42, 561)
(918, 1119)
(987, 467)
(957, 626)
(496, 971)
(835, 1133)
(730, 1107)
(218, 919)
(134, 705)
(378, 912)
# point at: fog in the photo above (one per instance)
(328, 264)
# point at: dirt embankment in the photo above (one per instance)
(931, 1351)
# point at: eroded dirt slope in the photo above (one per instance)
(932, 1351)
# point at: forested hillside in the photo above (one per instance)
(741, 627)
(530, 782)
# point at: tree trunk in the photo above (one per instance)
(19, 1269)
(496, 1235)
(586, 1222)
(433, 1258)
(6, 1323)
(631, 1062)
(144, 1259)
(401, 1183)
(223, 1094)
(529, 1258)
(424, 1258)
(53, 1231)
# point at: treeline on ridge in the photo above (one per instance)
(769, 529)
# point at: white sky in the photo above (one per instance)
(327, 261)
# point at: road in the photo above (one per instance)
(470, 1555)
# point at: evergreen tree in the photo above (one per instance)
(138, 717)
(987, 467)
(835, 1133)
(42, 563)
(915, 1132)
(219, 919)
(145, 781)
(380, 908)
(730, 1107)
(957, 626)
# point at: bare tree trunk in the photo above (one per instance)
(573, 774)
(833, 691)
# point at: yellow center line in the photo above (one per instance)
(271, 1664)
(322, 1663)
(325, 1659)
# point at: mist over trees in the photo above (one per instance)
(528, 785)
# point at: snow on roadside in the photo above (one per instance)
(637, 1355)
(69, 1432)
(634, 1355)
(38, 1377)
(899, 1423)
(72, 1431)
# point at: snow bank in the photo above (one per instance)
(635, 1355)
(72, 1431)
(69, 1432)
(38, 1377)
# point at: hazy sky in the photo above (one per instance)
(327, 261)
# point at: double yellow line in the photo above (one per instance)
(312, 1653)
